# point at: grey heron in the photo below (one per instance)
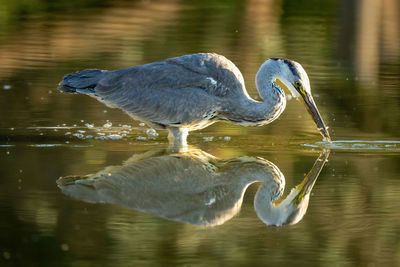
(196, 188)
(190, 92)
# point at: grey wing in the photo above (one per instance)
(176, 91)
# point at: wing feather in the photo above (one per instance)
(175, 91)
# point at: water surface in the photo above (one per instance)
(352, 216)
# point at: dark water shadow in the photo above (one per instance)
(195, 187)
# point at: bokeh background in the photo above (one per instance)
(349, 48)
(351, 51)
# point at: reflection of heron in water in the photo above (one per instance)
(191, 92)
(196, 188)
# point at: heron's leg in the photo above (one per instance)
(177, 136)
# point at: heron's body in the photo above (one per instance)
(187, 93)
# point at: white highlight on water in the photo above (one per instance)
(151, 133)
(107, 125)
(357, 145)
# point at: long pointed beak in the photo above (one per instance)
(307, 184)
(313, 110)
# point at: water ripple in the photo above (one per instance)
(357, 145)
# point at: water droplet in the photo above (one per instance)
(107, 125)
(114, 137)
(151, 133)
(208, 138)
(80, 136)
(64, 247)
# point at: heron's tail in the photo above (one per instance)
(82, 82)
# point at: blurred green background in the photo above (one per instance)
(351, 52)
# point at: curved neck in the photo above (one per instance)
(265, 82)
(274, 100)
(249, 112)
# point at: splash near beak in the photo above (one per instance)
(313, 110)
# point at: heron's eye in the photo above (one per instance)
(297, 84)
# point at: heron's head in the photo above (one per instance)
(295, 78)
